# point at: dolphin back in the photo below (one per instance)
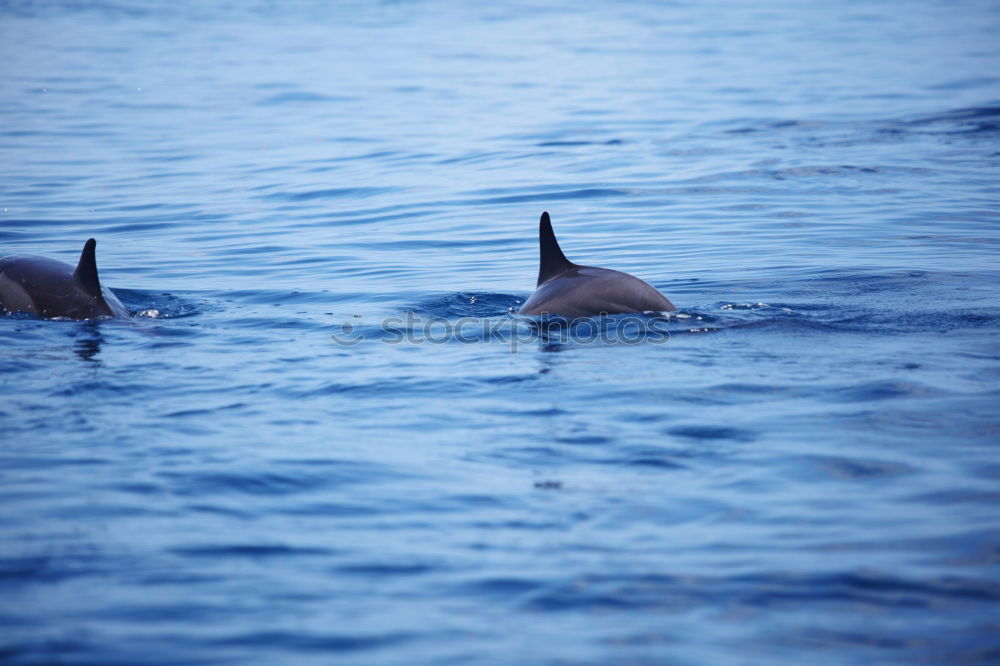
(572, 290)
(50, 288)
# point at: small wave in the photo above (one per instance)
(306, 642)
(380, 571)
(759, 590)
(555, 195)
(301, 97)
(972, 120)
(247, 483)
(858, 469)
(250, 550)
(156, 305)
(52, 568)
(468, 304)
(883, 390)
(567, 143)
(330, 193)
(711, 432)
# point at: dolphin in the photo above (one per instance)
(50, 288)
(571, 290)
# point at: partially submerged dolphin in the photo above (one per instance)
(571, 290)
(50, 288)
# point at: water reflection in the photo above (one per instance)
(88, 341)
(556, 333)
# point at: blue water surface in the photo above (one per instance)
(801, 467)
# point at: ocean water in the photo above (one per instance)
(324, 438)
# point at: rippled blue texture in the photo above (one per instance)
(806, 473)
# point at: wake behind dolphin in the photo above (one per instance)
(571, 290)
(50, 288)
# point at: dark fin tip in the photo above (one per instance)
(552, 261)
(86, 270)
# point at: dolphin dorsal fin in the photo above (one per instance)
(552, 261)
(86, 271)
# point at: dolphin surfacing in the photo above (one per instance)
(50, 288)
(571, 290)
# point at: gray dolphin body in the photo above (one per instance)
(50, 288)
(571, 290)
